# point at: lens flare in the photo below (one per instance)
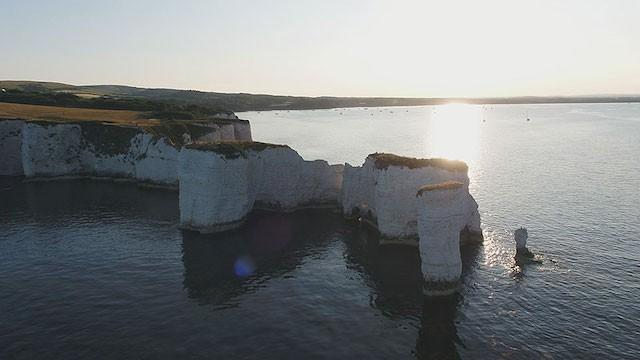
(244, 266)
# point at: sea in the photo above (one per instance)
(100, 270)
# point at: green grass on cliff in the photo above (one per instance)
(447, 185)
(151, 109)
(234, 149)
(384, 160)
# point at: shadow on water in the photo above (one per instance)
(218, 268)
(393, 273)
(438, 336)
(48, 201)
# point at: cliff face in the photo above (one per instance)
(53, 150)
(214, 191)
(221, 181)
(146, 153)
(442, 215)
(156, 160)
(286, 181)
(242, 130)
(383, 191)
(220, 184)
(10, 148)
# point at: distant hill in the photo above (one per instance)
(62, 96)
(247, 102)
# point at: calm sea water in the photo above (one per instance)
(100, 270)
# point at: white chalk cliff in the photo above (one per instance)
(146, 154)
(10, 148)
(222, 175)
(382, 192)
(220, 183)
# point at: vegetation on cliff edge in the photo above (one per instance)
(234, 149)
(384, 160)
(447, 185)
(151, 109)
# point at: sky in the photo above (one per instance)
(397, 48)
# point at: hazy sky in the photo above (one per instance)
(346, 48)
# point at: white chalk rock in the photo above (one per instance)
(271, 177)
(50, 149)
(157, 161)
(214, 189)
(10, 148)
(384, 189)
(110, 150)
(285, 181)
(442, 215)
(146, 154)
(242, 130)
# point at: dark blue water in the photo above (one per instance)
(100, 270)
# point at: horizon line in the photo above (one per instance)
(592, 95)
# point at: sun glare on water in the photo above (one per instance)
(454, 132)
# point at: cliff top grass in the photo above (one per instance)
(164, 109)
(384, 160)
(116, 126)
(234, 149)
(59, 114)
(447, 185)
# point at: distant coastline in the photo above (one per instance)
(238, 102)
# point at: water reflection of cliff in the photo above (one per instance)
(44, 201)
(393, 273)
(438, 336)
(218, 268)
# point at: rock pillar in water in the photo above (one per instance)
(521, 235)
(441, 217)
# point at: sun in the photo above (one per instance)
(454, 132)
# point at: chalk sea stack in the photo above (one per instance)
(383, 192)
(441, 218)
(521, 236)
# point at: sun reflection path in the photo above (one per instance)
(454, 132)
